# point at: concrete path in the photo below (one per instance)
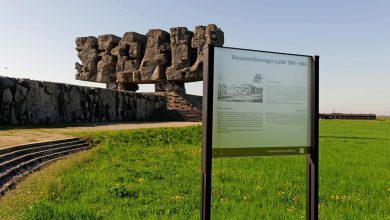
(16, 136)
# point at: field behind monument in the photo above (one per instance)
(155, 173)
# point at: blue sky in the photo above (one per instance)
(352, 38)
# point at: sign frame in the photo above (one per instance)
(312, 152)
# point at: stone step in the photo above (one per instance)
(191, 115)
(21, 162)
(17, 160)
(31, 149)
(178, 115)
(30, 145)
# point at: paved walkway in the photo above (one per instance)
(16, 136)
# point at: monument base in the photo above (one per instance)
(170, 86)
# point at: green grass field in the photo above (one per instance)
(155, 173)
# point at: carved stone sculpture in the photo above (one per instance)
(157, 57)
(87, 48)
(204, 36)
(129, 53)
(106, 67)
(182, 53)
(166, 59)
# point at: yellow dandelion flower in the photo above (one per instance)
(140, 180)
(258, 188)
(178, 197)
(291, 209)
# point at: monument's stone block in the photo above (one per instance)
(203, 36)
(168, 86)
(87, 48)
(129, 53)
(183, 54)
(157, 57)
(106, 66)
(166, 59)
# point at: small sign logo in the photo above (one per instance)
(301, 150)
(258, 78)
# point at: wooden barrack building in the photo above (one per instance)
(348, 116)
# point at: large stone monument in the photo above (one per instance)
(166, 59)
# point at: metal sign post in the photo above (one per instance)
(313, 156)
(207, 133)
(310, 150)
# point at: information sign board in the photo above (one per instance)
(258, 103)
(261, 103)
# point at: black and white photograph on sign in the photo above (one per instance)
(240, 93)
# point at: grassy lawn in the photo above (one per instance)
(155, 173)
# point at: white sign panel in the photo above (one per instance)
(261, 103)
